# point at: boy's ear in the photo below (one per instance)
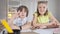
(18, 12)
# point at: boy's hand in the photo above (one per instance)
(14, 27)
(16, 15)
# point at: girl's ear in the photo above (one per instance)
(47, 9)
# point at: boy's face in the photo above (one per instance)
(22, 13)
(42, 8)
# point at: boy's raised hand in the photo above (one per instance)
(16, 15)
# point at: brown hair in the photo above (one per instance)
(44, 2)
(21, 8)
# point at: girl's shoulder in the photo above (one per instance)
(49, 13)
(35, 13)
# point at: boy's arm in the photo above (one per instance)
(26, 26)
(13, 17)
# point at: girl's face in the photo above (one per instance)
(42, 8)
(22, 13)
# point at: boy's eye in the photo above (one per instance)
(39, 7)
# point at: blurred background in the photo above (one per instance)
(8, 7)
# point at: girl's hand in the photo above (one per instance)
(43, 26)
(53, 23)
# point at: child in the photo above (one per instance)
(20, 19)
(43, 18)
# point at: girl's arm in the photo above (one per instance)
(53, 22)
(35, 24)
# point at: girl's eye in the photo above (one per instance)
(43, 7)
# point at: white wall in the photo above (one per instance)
(54, 6)
(58, 10)
(3, 9)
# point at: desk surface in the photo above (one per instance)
(55, 31)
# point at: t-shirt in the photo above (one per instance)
(19, 21)
(43, 19)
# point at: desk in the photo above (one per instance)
(53, 30)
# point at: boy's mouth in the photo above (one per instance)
(22, 15)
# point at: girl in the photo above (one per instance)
(20, 19)
(43, 19)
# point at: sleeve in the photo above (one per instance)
(29, 19)
(49, 14)
(35, 14)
